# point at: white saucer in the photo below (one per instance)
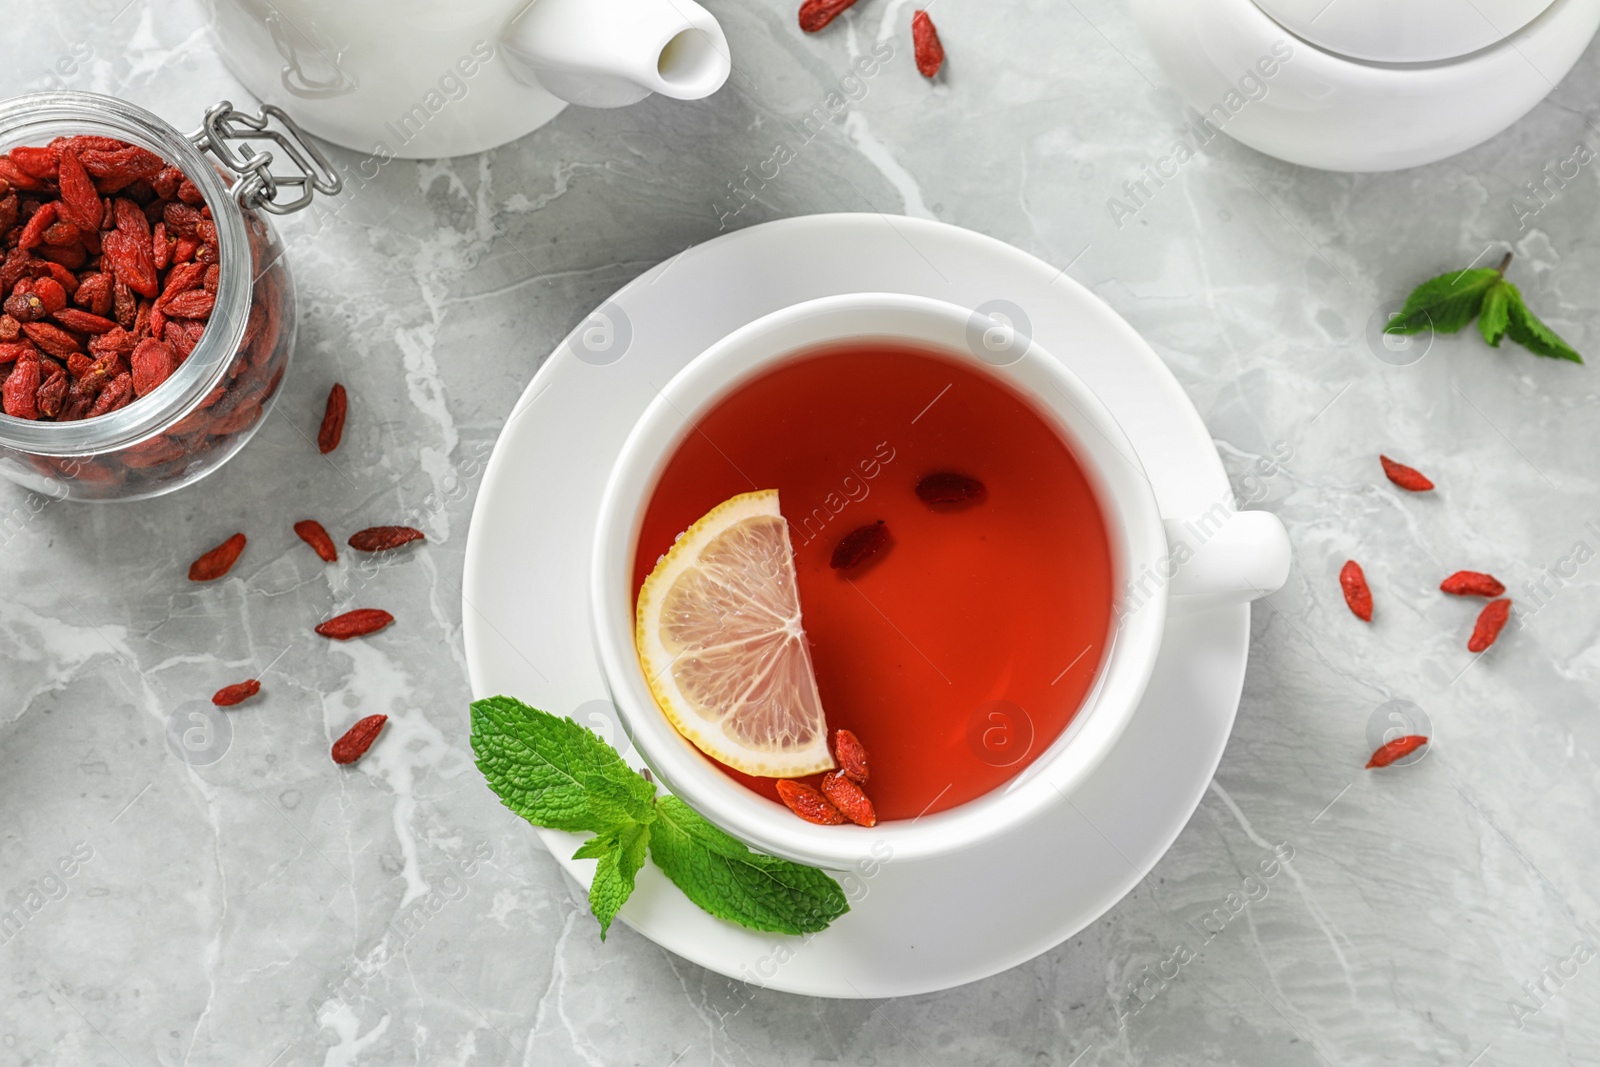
(914, 927)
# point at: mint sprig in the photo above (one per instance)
(558, 774)
(1447, 303)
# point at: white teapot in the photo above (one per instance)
(419, 79)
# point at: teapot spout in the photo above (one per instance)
(608, 53)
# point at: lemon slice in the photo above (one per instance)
(720, 641)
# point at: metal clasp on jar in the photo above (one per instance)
(227, 134)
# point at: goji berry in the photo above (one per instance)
(194, 304)
(356, 740)
(80, 201)
(83, 321)
(131, 261)
(1472, 583)
(311, 532)
(217, 562)
(1390, 751)
(33, 233)
(859, 545)
(807, 803)
(1408, 478)
(357, 623)
(331, 432)
(19, 395)
(851, 800)
(383, 538)
(39, 162)
(1357, 594)
(54, 340)
(153, 363)
(925, 42)
(114, 395)
(1491, 620)
(948, 487)
(851, 754)
(229, 695)
(815, 14)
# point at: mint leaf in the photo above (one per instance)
(1446, 303)
(621, 855)
(731, 882)
(1525, 329)
(1496, 313)
(555, 773)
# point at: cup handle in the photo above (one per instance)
(1225, 558)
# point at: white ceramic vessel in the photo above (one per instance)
(1363, 85)
(419, 80)
(1017, 894)
(1242, 555)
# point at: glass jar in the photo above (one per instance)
(217, 397)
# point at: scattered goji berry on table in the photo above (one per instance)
(1408, 478)
(1491, 620)
(1472, 583)
(807, 803)
(851, 754)
(815, 14)
(217, 562)
(332, 430)
(383, 538)
(849, 798)
(859, 545)
(1357, 594)
(311, 532)
(357, 623)
(356, 740)
(948, 487)
(1390, 751)
(925, 40)
(229, 695)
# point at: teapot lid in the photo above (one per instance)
(1412, 31)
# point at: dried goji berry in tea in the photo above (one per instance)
(851, 754)
(859, 545)
(948, 487)
(807, 803)
(849, 798)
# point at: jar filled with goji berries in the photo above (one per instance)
(146, 312)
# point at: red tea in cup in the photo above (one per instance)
(960, 650)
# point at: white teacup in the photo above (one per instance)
(1226, 559)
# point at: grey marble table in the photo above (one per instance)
(1434, 914)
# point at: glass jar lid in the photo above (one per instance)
(1403, 31)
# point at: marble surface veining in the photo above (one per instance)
(1435, 914)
